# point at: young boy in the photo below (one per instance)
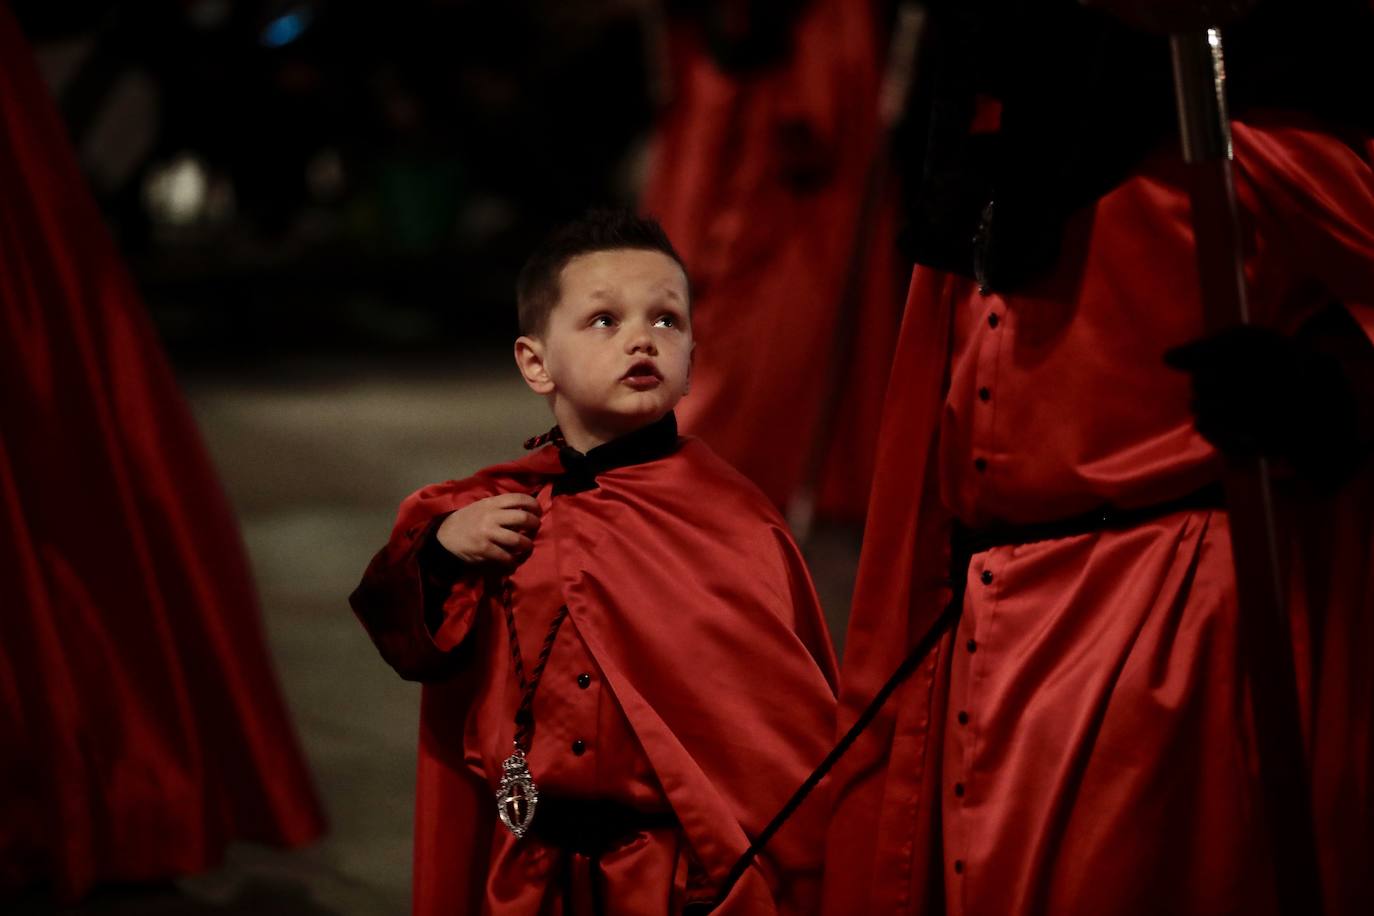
(635, 673)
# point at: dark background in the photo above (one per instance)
(298, 177)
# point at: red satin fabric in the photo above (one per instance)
(530, 876)
(693, 604)
(1082, 744)
(759, 180)
(141, 728)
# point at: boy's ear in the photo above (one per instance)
(529, 357)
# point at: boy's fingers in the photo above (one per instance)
(511, 540)
(517, 519)
(495, 554)
(517, 501)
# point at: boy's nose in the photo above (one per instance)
(643, 342)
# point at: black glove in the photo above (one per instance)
(1257, 392)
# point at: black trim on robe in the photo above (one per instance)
(648, 443)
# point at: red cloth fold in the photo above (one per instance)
(141, 728)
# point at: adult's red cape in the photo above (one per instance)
(1315, 194)
(141, 728)
(760, 180)
(694, 601)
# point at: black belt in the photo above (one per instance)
(591, 827)
(965, 542)
(585, 830)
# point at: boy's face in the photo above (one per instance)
(616, 352)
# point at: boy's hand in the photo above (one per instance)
(497, 529)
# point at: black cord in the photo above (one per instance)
(524, 715)
(904, 670)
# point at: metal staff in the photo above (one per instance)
(1265, 637)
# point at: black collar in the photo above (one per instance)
(648, 443)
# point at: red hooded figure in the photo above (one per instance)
(141, 727)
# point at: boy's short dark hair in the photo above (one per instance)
(537, 290)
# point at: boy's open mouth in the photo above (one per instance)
(642, 376)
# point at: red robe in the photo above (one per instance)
(759, 181)
(141, 728)
(583, 748)
(1082, 743)
(690, 599)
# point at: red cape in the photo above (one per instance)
(760, 180)
(696, 605)
(141, 728)
(884, 848)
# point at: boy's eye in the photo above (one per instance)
(603, 321)
(666, 321)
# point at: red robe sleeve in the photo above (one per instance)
(1319, 199)
(396, 597)
(1315, 201)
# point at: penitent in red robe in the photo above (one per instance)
(1081, 744)
(692, 678)
(141, 728)
(759, 180)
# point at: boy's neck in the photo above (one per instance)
(639, 446)
(583, 442)
(584, 438)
